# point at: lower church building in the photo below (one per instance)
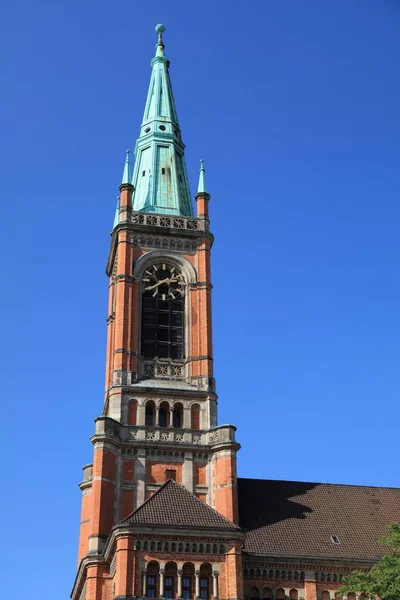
(163, 512)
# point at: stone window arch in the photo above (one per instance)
(163, 414)
(188, 581)
(177, 415)
(170, 580)
(152, 579)
(205, 581)
(293, 594)
(195, 416)
(155, 341)
(280, 594)
(132, 412)
(150, 413)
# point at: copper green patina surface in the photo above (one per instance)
(160, 179)
(201, 188)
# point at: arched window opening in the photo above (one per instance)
(280, 594)
(132, 408)
(163, 414)
(150, 413)
(205, 576)
(325, 595)
(246, 591)
(187, 581)
(177, 415)
(351, 596)
(294, 595)
(152, 579)
(254, 593)
(267, 593)
(162, 312)
(195, 416)
(170, 580)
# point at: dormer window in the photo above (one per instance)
(335, 539)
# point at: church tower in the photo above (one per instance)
(159, 503)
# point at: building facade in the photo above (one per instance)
(163, 512)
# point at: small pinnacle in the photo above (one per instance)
(202, 179)
(126, 177)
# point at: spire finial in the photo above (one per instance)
(126, 177)
(160, 44)
(202, 179)
(116, 218)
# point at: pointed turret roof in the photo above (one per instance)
(126, 176)
(160, 179)
(174, 506)
(201, 188)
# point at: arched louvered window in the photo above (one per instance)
(163, 296)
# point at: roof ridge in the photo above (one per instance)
(354, 485)
(203, 503)
(203, 506)
(162, 486)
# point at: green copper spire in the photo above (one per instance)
(160, 179)
(126, 177)
(201, 189)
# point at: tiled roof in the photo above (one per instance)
(298, 519)
(174, 505)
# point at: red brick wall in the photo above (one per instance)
(156, 472)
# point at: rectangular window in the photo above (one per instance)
(204, 589)
(169, 587)
(151, 586)
(187, 588)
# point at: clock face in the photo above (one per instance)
(164, 281)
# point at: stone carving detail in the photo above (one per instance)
(214, 436)
(178, 437)
(177, 370)
(112, 428)
(163, 369)
(151, 241)
(196, 439)
(165, 436)
(150, 435)
(149, 369)
(176, 546)
(134, 434)
(163, 221)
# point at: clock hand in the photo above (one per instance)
(151, 287)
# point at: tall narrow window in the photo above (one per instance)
(204, 588)
(169, 587)
(187, 588)
(163, 414)
(162, 312)
(151, 586)
(150, 413)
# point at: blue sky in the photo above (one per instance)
(294, 107)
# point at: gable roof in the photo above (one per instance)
(174, 506)
(298, 519)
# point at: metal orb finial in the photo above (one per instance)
(160, 28)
